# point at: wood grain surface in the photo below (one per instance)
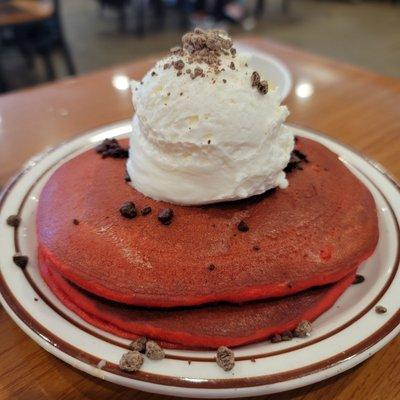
(356, 106)
(15, 12)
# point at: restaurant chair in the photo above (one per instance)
(42, 39)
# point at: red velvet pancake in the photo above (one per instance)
(206, 326)
(313, 233)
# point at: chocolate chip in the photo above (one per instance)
(286, 336)
(276, 338)
(211, 267)
(256, 248)
(145, 211)
(36, 299)
(255, 79)
(128, 210)
(224, 80)
(13, 220)
(358, 279)
(233, 51)
(232, 65)
(131, 361)
(165, 216)
(75, 221)
(167, 65)
(303, 329)
(225, 358)
(242, 226)
(154, 351)
(20, 260)
(263, 87)
(127, 178)
(153, 73)
(139, 344)
(208, 141)
(380, 310)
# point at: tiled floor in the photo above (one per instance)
(362, 33)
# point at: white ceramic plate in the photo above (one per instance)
(347, 334)
(270, 68)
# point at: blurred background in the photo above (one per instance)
(44, 40)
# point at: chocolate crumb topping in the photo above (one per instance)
(286, 336)
(165, 216)
(255, 79)
(276, 338)
(297, 158)
(167, 65)
(225, 358)
(202, 46)
(303, 329)
(196, 72)
(20, 260)
(301, 156)
(13, 220)
(233, 51)
(75, 221)
(242, 226)
(232, 65)
(154, 351)
(179, 64)
(358, 279)
(224, 80)
(128, 210)
(131, 361)
(146, 210)
(111, 148)
(263, 87)
(380, 310)
(211, 267)
(139, 344)
(175, 49)
(179, 73)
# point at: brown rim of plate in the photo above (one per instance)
(76, 353)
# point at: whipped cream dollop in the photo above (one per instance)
(207, 127)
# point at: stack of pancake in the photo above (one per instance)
(200, 282)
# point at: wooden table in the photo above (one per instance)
(354, 105)
(15, 12)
